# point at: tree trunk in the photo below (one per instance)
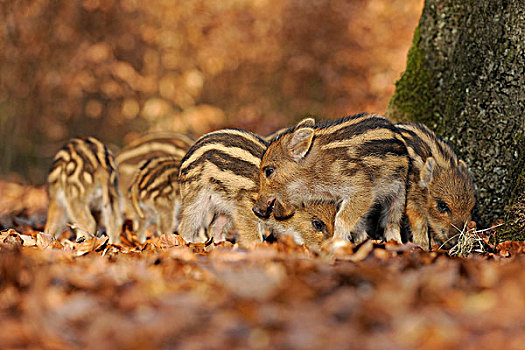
(465, 78)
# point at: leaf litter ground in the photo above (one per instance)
(167, 293)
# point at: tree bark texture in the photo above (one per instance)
(465, 78)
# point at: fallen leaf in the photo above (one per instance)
(169, 240)
(91, 245)
(12, 237)
(27, 240)
(363, 251)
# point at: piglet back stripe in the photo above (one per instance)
(82, 155)
(382, 148)
(444, 149)
(414, 142)
(426, 143)
(81, 150)
(97, 150)
(176, 145)
(230, 138)
(177, 139)
(357, 127)
(334, 125)
(162, 168)
(226, 162)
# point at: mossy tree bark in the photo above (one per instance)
(465, 78)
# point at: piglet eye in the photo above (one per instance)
(442, 207)
(268, 171)
(318, 224)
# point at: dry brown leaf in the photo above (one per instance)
(44, 240)
(12, 237)
(27, 241)
(338, 248)
(363, 251)
(169, 240)
(510, 248)
(91, 245)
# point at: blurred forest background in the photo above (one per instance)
(115, 69)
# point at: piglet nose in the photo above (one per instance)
(263, 210)
(260, 212)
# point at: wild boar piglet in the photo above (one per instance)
(155, 195)
(311, 224)
(129, 159)
(219, 179)
(82, 177)
(356, 162)
(440, 192)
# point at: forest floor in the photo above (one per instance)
(166, 293)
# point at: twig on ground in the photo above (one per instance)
(469, 241)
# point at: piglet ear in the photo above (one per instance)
(463, 165)
(306, 122)
(300, 143)
(427, 173)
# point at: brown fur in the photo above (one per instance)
(219, 182)
(156, 189)
(159, 144)
(436, 175)
(219, 178)
(311, 224)
(83, 176)
(355, 161)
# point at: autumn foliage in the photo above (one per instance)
(166, 293)
(171, 294)
(113, 69)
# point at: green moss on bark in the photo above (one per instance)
(413, 96)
